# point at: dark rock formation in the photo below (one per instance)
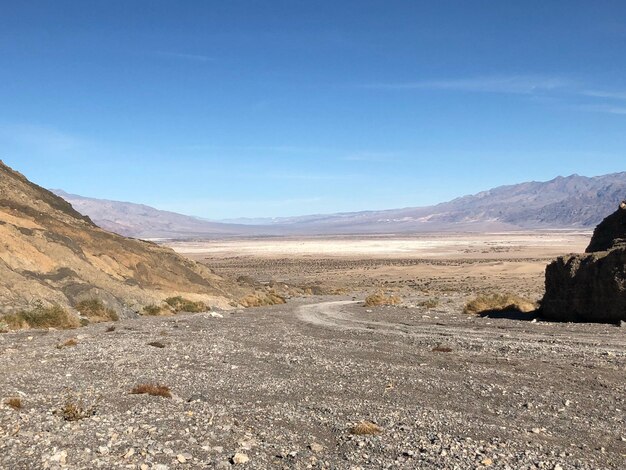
(591, 286)
(611, 233)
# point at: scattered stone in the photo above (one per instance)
(240, 459)
(315, 447)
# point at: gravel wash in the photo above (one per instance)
(285, 387)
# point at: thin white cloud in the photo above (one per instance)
(184, 56)
(605, 108)
(513, 84)
(611, 95)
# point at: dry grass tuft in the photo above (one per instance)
(154, 390)
(96, 311)
(498, 303)
(41, 317)
(68, 344)
(261, 299)
(156, 344)
(429, 304)
(14, 402)
(366, 428)
(378, 299)
(179, 304)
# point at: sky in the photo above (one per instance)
(242, 108)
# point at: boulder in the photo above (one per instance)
(591, 286)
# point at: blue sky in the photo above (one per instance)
(237, 108)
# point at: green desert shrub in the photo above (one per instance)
(96, 311)
(180, 304)
(154, 310)
(41, 317)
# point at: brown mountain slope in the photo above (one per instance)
(50, 253)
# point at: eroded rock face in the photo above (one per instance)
(591, 286)
(611, 233)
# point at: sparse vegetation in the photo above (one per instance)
(180, 304)
(14, 402)
(4, 327)
(429, 304)
(68, 344)
(443, 349)
(366, 428)
(155, 310)
(498, 303)
(154, 390)
(110, 329)
(74, 409)
(156, 344)
(261, 299)
(41, 317)
(379, 299)
(96, 311)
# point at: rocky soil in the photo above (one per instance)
(283, 387)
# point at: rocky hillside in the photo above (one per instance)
(51, 254)
(564, 202)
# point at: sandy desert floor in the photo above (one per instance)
(435, 264)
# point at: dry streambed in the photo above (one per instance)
(316, 383)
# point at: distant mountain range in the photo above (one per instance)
(564, 202)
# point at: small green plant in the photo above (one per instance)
(179, 304)
(42, 317)
(96, 311)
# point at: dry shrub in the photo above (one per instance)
(261, 299)
(179, 304)
(366, 428)
(96, 311)
(75, 410)
(42, 317)
(68, 344)
(378, 299)
(429, 304)
(155, 310)
(14, 402)
(498, 303)
(154, 390)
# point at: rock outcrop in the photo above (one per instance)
(591, 286)
(51, 254)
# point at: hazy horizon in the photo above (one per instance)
(236, 110)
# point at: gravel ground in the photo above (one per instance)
(283, 387)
